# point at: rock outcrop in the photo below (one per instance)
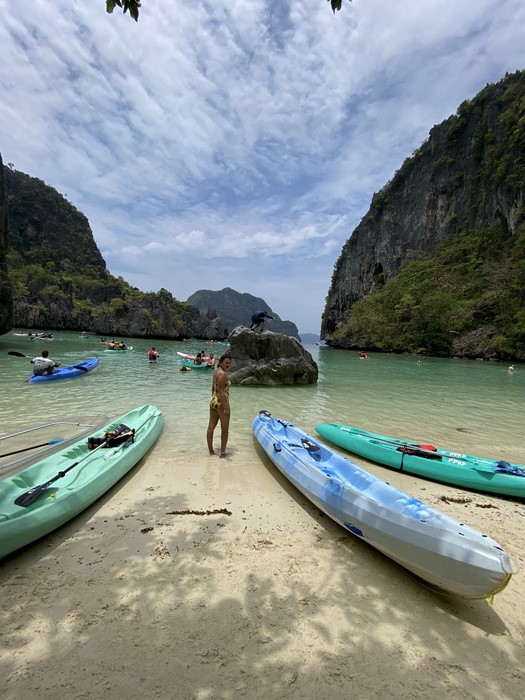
(269, 359)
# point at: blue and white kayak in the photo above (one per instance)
(445, 553)
(67, 372)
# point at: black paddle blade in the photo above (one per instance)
(84, 369)
(16, 354)
(310, 446)
(29, 496)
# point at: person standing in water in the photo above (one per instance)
(153, 354)
(220, 404)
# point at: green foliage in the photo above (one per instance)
(466, 296)
(456, 128)
(131, 5)
(82, 306)
(471, 280)
(117, 306)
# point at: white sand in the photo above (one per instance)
(272, 601)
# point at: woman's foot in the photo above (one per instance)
(224, 454)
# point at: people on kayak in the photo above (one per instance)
(43, 364)
(198, 359)
(258, 320)
(153, 354)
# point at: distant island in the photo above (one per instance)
(309, 338)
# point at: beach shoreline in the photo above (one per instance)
(217, 579)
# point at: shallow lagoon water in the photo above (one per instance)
(470, 406)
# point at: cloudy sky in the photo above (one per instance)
(237, 143)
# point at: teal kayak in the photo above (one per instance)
(67, 372)
(447, 554)
(190, 363)
(449, 467)
(50, 492)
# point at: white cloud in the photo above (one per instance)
(230, 144)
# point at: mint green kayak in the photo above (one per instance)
(50, 492)
(185, 362)
(455, 468)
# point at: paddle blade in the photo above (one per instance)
(29, 496)
(16, 354)
(84, 369)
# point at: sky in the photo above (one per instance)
(229, 143)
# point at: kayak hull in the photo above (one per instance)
(190, 363)
(97, 471)
(205, 358)
(67, 372)
(445, 466)
(448, 555)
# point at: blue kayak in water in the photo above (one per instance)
(67, 372)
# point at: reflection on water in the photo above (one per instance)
(476, 407)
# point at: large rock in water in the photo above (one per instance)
(269, 359)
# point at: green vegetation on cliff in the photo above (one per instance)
(466, 298)
(459, 290)
(60, 281)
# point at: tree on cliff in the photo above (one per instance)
(133, 6)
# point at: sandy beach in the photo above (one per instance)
(217, 580)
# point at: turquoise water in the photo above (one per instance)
(470, 406)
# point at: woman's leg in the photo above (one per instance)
(212, 424)
(225, 429)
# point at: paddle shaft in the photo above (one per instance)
(29, 496)
(53, 441)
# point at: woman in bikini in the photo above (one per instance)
(220, 404)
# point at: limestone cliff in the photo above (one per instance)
(468, 177)
(6, 299)
(60, 279)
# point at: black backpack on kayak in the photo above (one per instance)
(121, 433)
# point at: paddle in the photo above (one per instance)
(53, 441)
(20, 354)
(29, 496)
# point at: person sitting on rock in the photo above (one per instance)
(258, 320)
